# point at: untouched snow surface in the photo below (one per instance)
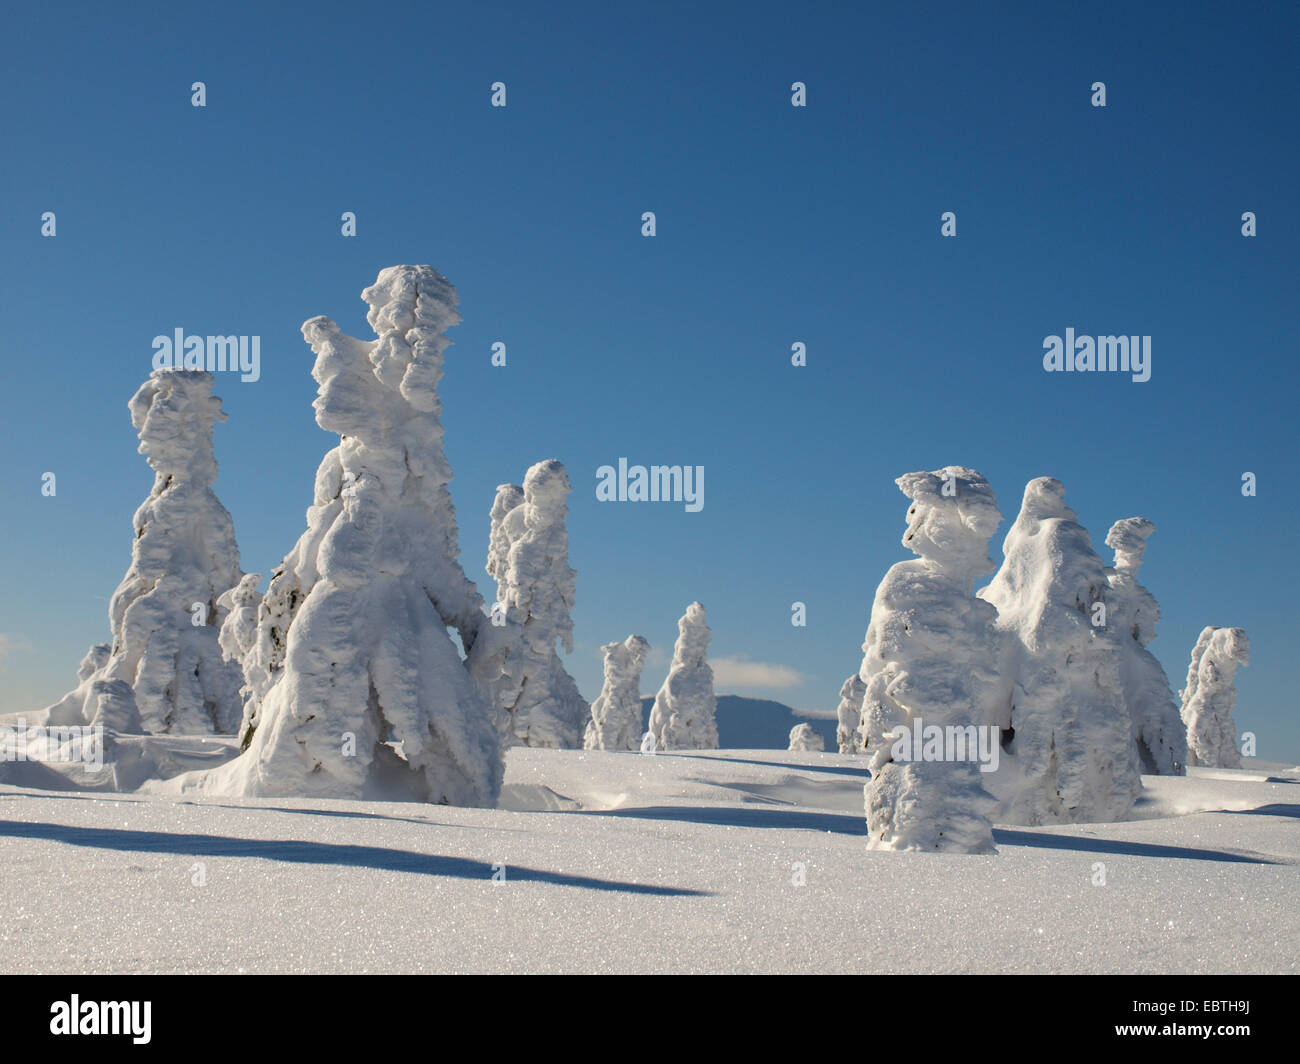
(622, 862)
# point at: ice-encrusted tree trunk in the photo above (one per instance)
(359, 689)
(803, 737)
(163, 671)
(684, 714)
(849, 715)
(1210, 695)
(537, 702)
(1158, 732)
(616, 714)
(928, 657)
(1071, 736)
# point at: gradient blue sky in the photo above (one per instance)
(776, 224)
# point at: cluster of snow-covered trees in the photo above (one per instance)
(344, 678)
(1036, 696)
(372, 666)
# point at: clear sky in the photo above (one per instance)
(775, 224)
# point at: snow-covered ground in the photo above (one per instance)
(623, 862)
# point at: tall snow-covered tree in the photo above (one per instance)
(537, 702)
(616, 714)
(849, 715)
(360, 689)
(1158, 732)
(684, 714)
(1210, 695)
(1071, 755)
(928, 657)
(163, 671)
(803, 737)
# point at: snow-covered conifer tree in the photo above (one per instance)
(849, 715)
(1157, 730)
(1071, 755)
(804, 737)
(163, 672)
(616, 714)
(537, 702)
(359, 688)
(927, 661)
(684, 715)
(1210, 695)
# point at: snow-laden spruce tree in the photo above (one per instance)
(1158, 732)
(849, 715)
(164, 616)
(1072, 757)
(359, 688)
(537, 702)
(927, 661)
(616, 714)
(1210, 695)
(803, 737)
(684, 715)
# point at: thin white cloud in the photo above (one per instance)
(817, 714)
(737, 671)
(10, 644)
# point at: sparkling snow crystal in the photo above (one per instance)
(1210, 695)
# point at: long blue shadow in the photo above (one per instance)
(1088, 844)
(1276, 809)
(345, 813)
(743, 817)
(834, 770)
(314, 853)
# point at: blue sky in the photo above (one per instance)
(775, 225)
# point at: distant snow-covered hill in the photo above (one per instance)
(757, 723)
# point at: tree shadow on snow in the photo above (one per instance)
(1089, 844)
(1276, 809)
(763, 817)
(833, 769)
(315, 853)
